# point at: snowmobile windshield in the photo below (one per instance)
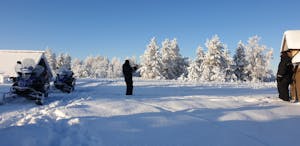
(28, 62)
(64, 73)
(26, 73)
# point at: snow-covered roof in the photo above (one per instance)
(290, 40)
(9, 58)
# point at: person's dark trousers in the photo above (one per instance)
(129, 89)
(283, 89)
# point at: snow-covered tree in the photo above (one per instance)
(60, 60)
(115, 68)
(269, 75)
(259, 61)
(51, 58)
(87, 67)
(78, 68)
(166, 60)
(229, 76)
(100, 66)
(181, 63)
(173, 63)
(215, 63)
(67, 60)
(195, 70)
(151, 66)
(96, 67)
(240, 62)
(63, 60)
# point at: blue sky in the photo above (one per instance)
(123, 28)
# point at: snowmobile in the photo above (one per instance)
(65, 81)
(31, 84)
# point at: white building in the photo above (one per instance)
(3, 78)
(9, 58)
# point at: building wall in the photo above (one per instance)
(3, 79)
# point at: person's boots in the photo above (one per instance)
(129, 90)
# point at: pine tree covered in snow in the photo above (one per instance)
(51, 58)
(181, 63)
(173, 63)
(151, 66)
(166, 60)
(215, 63)
(229, 70)
(259, 58)
(195, 70)
(240, 62)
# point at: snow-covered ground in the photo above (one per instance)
(160, 113)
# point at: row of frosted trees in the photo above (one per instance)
(250, 62)
(91, 67)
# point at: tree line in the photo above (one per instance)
(90, 67)
(250, 62)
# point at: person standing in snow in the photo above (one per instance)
(284, 75)
(127, 72)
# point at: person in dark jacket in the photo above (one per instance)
(127, 72)
(284, 76)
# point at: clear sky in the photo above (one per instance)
(123, 28)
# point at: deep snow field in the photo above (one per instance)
(160, 113)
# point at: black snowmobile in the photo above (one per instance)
(32, 84)
(65, 81)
